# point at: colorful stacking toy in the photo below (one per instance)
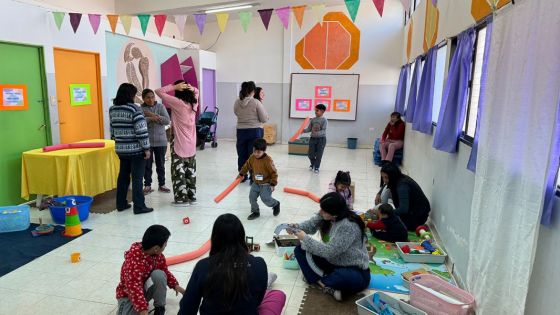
(72, 224)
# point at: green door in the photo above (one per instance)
(21, 130)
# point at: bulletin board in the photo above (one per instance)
(338, 92)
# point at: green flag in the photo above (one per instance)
(144, 19)
(58, 18)
(352, 6)
(245, 18)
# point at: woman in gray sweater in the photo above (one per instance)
(339, 264)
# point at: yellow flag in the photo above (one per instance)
(126, 21)
(222, 20)
(319, 11)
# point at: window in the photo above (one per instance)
(469, 126)
(439, 81)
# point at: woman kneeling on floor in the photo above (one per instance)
(339, 264)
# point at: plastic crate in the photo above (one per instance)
(364, 303)
(421, 258)
(285, 243)
(439, 297)
(14, 218)
(58, 213)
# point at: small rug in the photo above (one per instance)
(316, 302)
(19, 248)
(106, 202)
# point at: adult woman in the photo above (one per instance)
(409, 200)
(183, 144)
(132, 144)
(250, 116)
(259, 93)
(230, 281)
(339, 264)
(393, 137)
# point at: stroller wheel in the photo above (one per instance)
(214, 144)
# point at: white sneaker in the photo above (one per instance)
(271, 278)
(316, 170)
(335, 293)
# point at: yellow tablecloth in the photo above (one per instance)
(70, 172)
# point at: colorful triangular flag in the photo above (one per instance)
(284, 16)
(379, 6)
(94, 20)
(58, 18)
(406, 5)
(200, 19)
(160, 20)
(113, 19)
(126, 21)
(319, 11)
(245, 17)
(492, 3)
(222, 21)
(265, 16)
(298, 13)
(75, 19)
(352, 7)
(180, 21)
(144, 19)
(434, 2)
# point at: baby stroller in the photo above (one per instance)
(206, 128)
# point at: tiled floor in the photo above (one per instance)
(52, 285)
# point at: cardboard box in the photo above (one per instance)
(285, 243)
(299, 147)
(270, 133)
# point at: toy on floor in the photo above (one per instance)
(81, 145)
(186, 220)
(300, 130)
(424, 232)
(425, 247)
(72, 226)
(253, 247)
(42, 229)
(75, 257)
(380, 307)
(302, 193)
(228, 189)
(190, 255)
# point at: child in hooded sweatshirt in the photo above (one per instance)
(389, 227)
(341, 185)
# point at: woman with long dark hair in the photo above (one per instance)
(251, 115)
(230, 281)
(132, 145)
(183, 143)
(393, 137)
(411, 204)
(340, 263)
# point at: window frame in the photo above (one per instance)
(445, 73)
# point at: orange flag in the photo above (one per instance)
(113, 19)
(298, 13)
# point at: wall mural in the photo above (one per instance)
(136, 66)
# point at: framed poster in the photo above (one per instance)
(323, 91)
(304, 104)
(13, 97)
(80, 94)
(342, 106)
(323, 101)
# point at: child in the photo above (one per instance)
(157, 118)
(264, 177)
(389, 227)
(341, 185)
(144, 274)
(393, 137)
(318, 128)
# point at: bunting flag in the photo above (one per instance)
(284, 16)
(94, 20)
(492, 3)
(144, 19)
(406, 5)
(200, 19)
(126, 21)
(180, 21)
(58, 18)
(222, 21)
(379, 6)
(434, 2)
(113, 19)
(245, 17)
(75, 19)
(319, 11)
(160, 20)
(265, 16)
(298, 13)
(352, 7)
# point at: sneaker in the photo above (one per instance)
(147, 190)
(271, 278)
(253, 215)
(143, 210)
(335, 293)
(164, 189)
(316, 170)
(311, 168)
(192, 201)
(128, 205)
(276, 209)
(159, 310)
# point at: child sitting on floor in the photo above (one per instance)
(389, 227)
(341, 185)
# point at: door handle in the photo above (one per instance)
(42, 127)
(61, 122)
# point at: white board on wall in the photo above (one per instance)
(338, 92)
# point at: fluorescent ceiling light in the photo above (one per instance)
(239, 7)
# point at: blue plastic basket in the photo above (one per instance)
(14, 218)
(58, 213)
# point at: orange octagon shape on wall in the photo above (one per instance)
(333, 45)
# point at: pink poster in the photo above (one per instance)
(341, 106)
(303, 104)
(325, 102)
(323, 91)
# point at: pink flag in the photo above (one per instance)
(284, 15)
(379, 6)
(265, 16)
(406, 4)
(180, 21)
(75, 19)
(94, 20)
(160, 22)
(200, 20)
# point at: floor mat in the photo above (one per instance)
(106, 202)
(19, 248)
(316, 302)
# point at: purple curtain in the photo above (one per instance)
(455, 95)
(412, 94)
(471, 165)
(423, 112)
(401, 90)
(554, 164)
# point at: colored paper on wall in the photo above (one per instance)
(94, 20)
(58, 18)
(190, 76)
(284, 16)
(379, 4)
(126, 21)
(113, 19)
(80, 94)
(431, 26)
(160, 20)
(325, 102)
(482, 8)
(14, 97)
(144, 19)
(323, 91)
(299, 11)
(304, 104)
(180, 21)
(200, 19)
(352, 6)
(245, 17)
(265, 16)
(222, 21)
(341, 106)
(409, 39)
(75, 19)
(319, 12)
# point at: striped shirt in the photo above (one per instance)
(129, 129)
